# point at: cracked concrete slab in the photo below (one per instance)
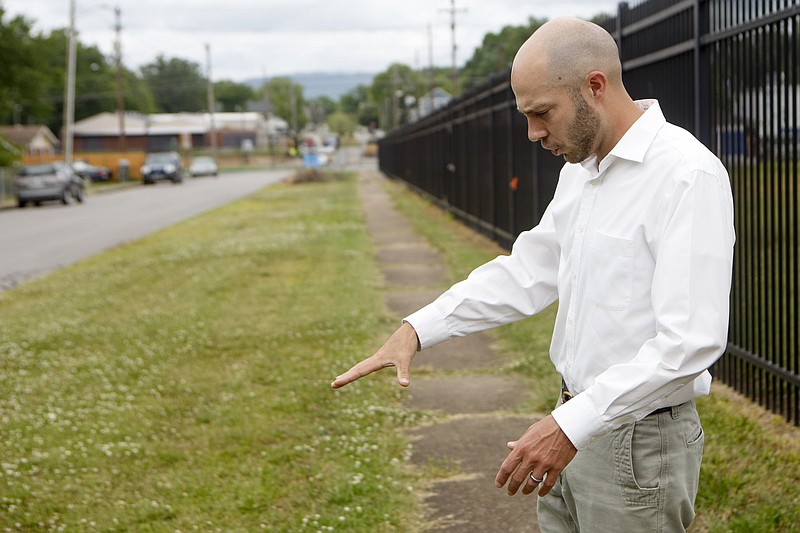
(464, 394)
(472, 448)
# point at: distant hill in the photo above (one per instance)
(332, 85)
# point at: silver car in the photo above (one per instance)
(48, 181)
(203, 166)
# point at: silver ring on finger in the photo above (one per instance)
(533, 478)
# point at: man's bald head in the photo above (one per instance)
(565, 50)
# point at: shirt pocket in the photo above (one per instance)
(609, 271)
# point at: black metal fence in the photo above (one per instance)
(726, 70)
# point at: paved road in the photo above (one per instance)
(38, 240)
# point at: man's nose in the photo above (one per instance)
(535, 131)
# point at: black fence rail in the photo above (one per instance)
(727, 70)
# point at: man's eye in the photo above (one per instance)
(541, 114)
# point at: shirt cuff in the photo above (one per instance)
(578, 420)
(430, 326)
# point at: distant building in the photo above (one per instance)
(34, 139)
(431, 101)
(169, 131)
(276, 126)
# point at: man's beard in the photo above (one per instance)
(582, 132)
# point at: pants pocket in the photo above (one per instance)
(639, 462)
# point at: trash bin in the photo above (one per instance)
(124, 169)
(311, 160)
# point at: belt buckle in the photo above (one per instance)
(565, 396)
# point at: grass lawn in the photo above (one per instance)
(181, 382)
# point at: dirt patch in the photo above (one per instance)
(309, 175)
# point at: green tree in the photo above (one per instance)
(496, 53)
(395, 91)
(280, 90)
(351, 101)
(342, 123)
(233, 96)
(358, 104)
(320, 108)
(22, 73)
(138, 96)
(95, 81)
(177, 84)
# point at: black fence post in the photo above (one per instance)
(702, 76)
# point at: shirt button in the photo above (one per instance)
(579, 228)
(574, 275)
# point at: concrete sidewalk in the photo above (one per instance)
(472, 425)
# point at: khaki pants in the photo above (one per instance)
(639, 478)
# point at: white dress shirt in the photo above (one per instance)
(638, 250)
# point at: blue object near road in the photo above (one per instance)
(311, 160)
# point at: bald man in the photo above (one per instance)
(637, 247)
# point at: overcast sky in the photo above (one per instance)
(252, 38)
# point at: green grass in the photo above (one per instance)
(751, 469)
(182, 382)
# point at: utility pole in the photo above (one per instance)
(430, 69)
(267, 103)
(267, 112)
(293, 105)
(69, 90)
(211, 100)
(395, 91)
(120, 87)
(454, 70)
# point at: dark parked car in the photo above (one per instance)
(49, 181)
(91, 172)
(162, 166)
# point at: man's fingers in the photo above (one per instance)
(397, 351)
(529, 486)
(506, 469)
(519, 479)
(549, 483)
(362, 369)
(403, 377)
(368, 366)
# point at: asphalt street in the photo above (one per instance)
(38, 240)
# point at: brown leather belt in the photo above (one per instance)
(566, 396)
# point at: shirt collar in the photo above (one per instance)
(636, 141)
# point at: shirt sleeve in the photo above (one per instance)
(690, 300)
(504, 290)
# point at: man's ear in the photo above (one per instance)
(597, 83)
